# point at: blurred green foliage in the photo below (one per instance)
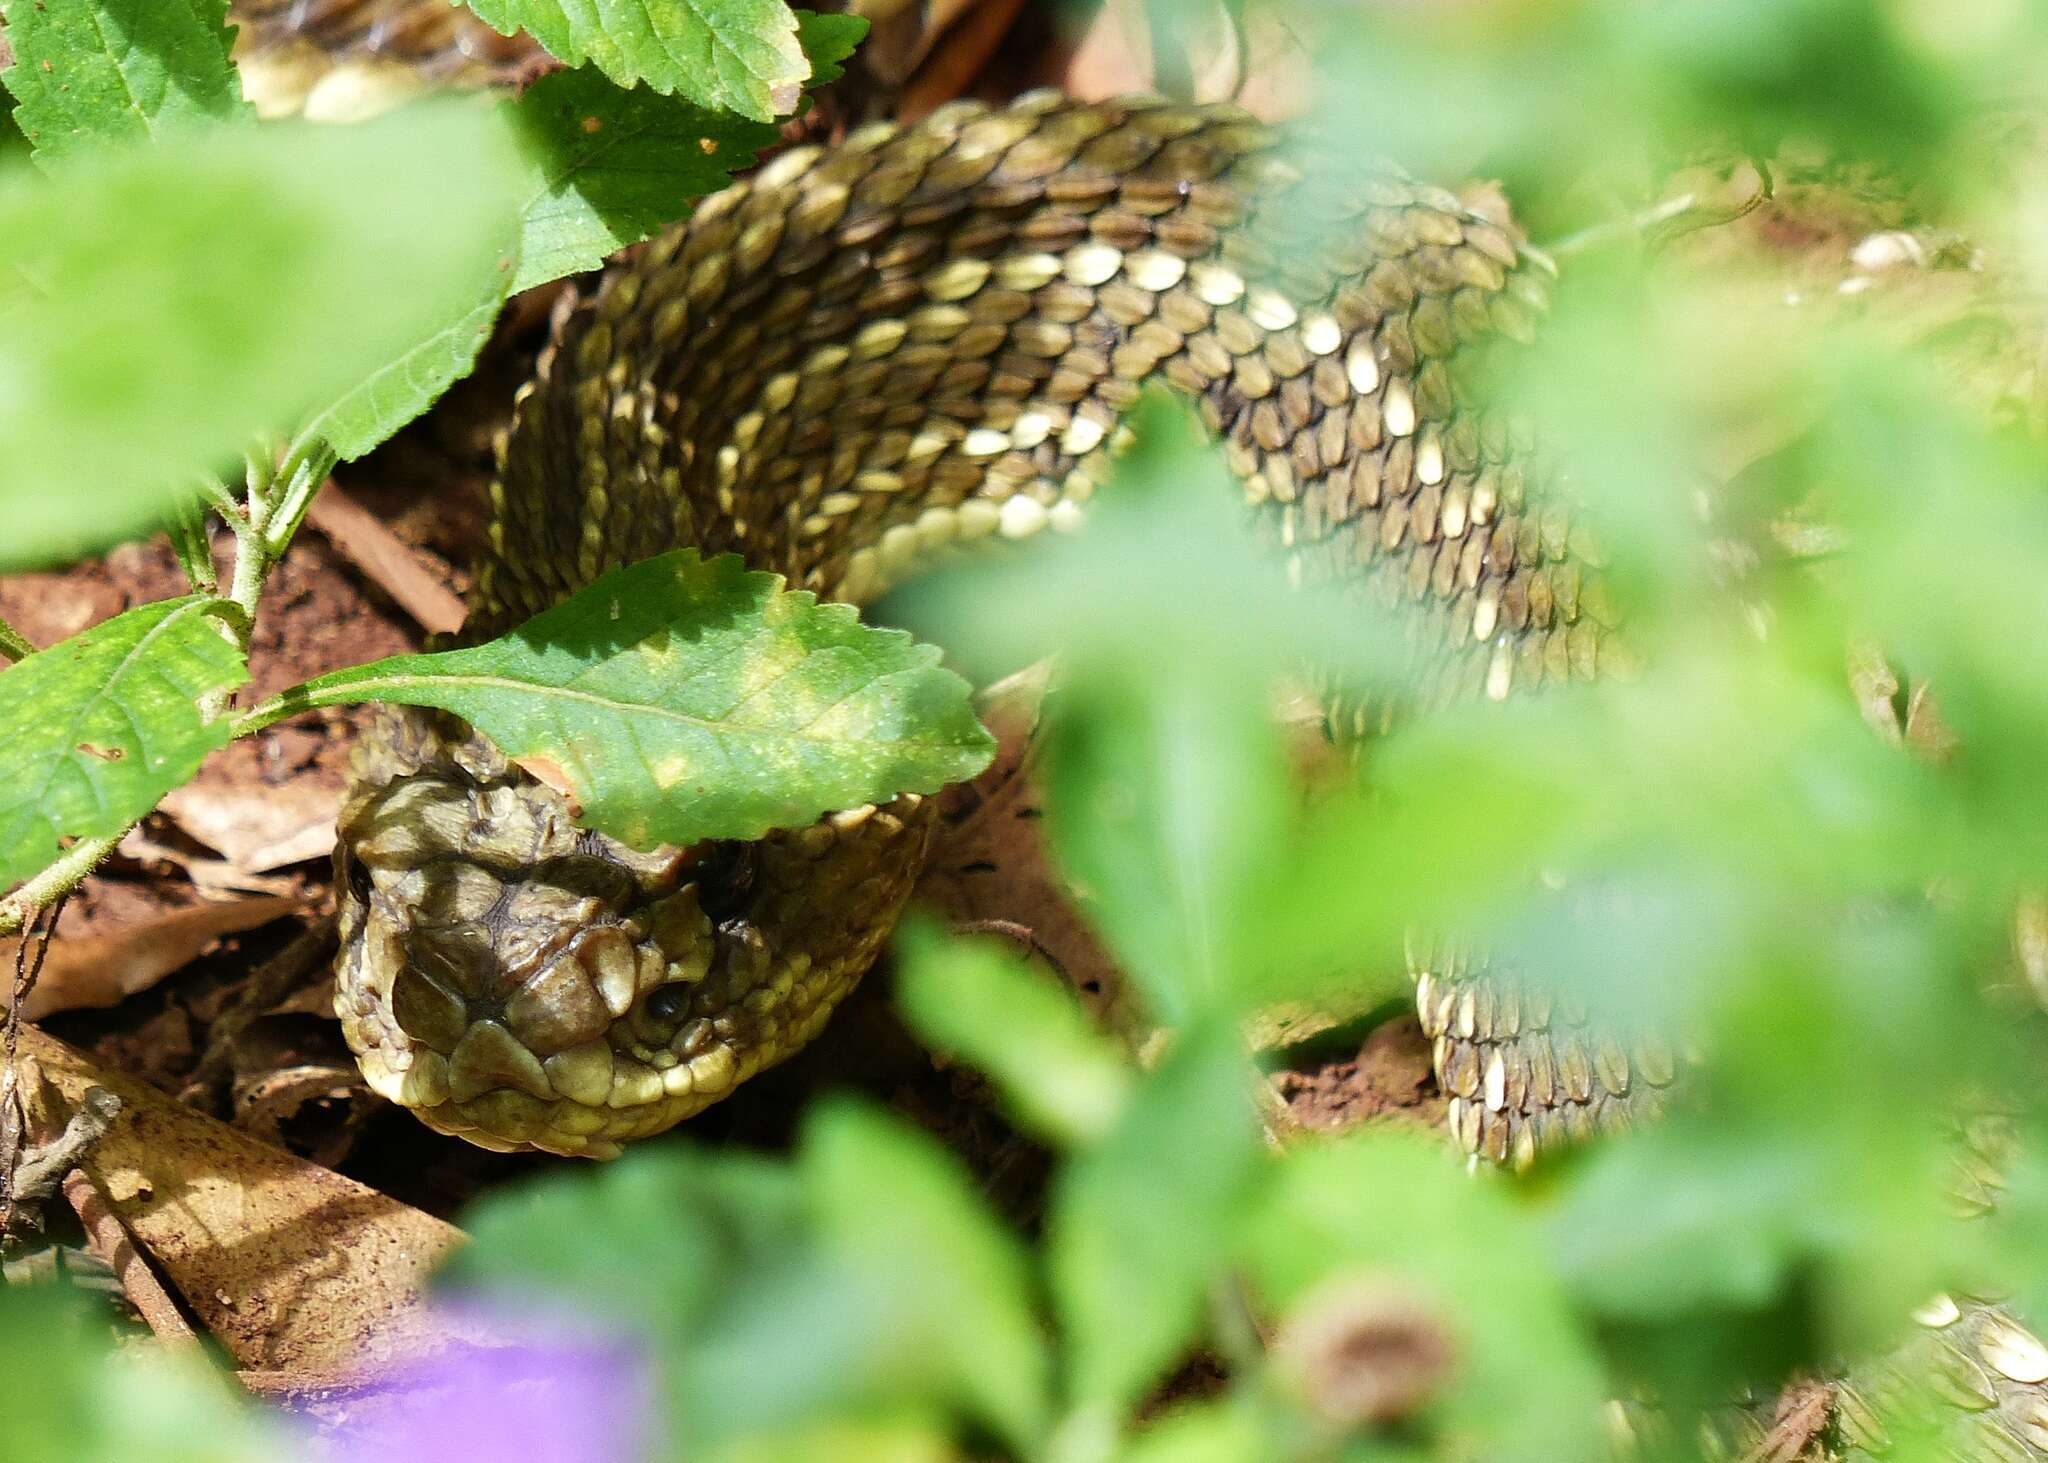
(1783, 465)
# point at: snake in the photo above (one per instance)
(862, 359)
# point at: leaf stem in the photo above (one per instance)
(13, 644)
(54, 882)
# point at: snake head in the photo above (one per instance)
(528, 983)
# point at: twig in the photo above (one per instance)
(958, 58)
(268, 984)
(386, 562)
(28, 966)
(57, 880)
(42, 1169)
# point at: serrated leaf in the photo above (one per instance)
(609, 165)
(89, 74)
(682, 699)
(121, 378)
(1061, 1076)
(400, 389)
(1141, 1224)
(98, 727)
(741, 55)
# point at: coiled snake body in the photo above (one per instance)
(855, 361)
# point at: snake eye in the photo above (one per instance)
(668, 1003)
(358, 880)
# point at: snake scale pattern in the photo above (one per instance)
(853, 363)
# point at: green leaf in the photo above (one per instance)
(1217, 1431)
(894, 1207)
(1169, 793)
(81, 1402)
(121, 378)
(830, 41)
(863, 1440)
(741, 55)
(1142, 1224)
(655, 1240)
(1062, 1077)
(609, 166)
(1393, 1219)
(88, 74)
(682, 699)
(98, 727)
(1167, 799)
(370, 411)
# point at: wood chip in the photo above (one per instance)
(386, 561)
(289, 1265)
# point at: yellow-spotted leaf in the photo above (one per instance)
(684, 699)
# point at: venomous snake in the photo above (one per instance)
(851, 363)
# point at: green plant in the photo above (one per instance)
(1819, 912)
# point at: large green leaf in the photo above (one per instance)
(972, 998)
(80, 1400)
(742, 55)
(98, 727)
(652, 1242)
(159, 305)
(1141, 1225)
(88, 73)
(397, 390)
(681, 699)
(608, 166)
(1389, 1223)
(893, 1206)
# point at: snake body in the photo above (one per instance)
(850, 365)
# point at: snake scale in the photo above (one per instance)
(852, 363)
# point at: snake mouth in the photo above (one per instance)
(523, 982)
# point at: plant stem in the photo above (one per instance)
(263, 524)
(59, 879)
(13, 644)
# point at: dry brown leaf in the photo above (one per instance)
(901, 33)
(258, 829)
(1259, 64)
(289, 1265)
(102, 970)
